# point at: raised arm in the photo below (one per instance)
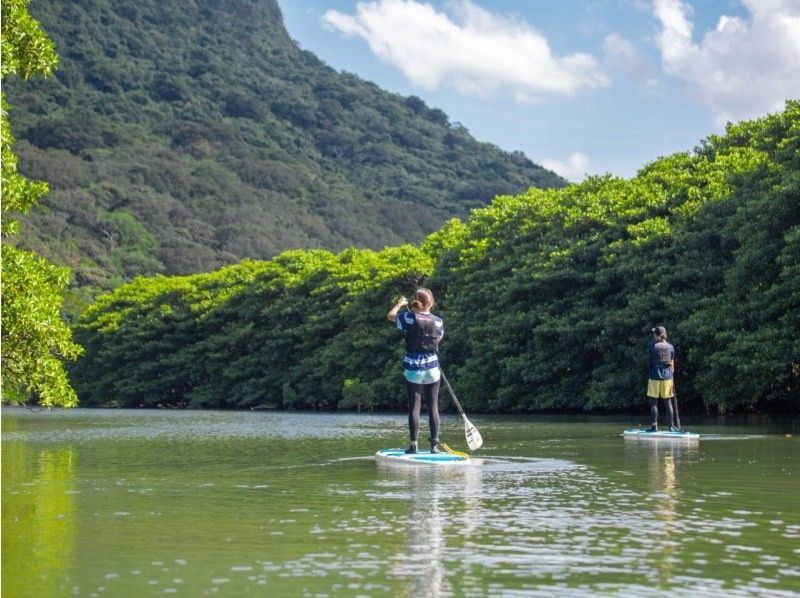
(392, 315)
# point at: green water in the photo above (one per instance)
(140, 503)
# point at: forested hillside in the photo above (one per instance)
(181, 136)
(547, 298)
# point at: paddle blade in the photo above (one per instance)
(474, 440)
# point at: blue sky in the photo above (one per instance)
(582, 87)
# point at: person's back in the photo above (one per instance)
(661, 367)
(662, 357)
(423, 331)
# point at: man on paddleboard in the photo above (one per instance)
(661, 355)
(423, 332)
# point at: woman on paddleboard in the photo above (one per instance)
(423, 332)
(660, 387)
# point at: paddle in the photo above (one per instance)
(474, 440)
(675, 405)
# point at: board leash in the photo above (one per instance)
(453, 452)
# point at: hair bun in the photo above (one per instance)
(423, 299)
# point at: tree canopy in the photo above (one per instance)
(547, 298)
(178, 137)
(34, 337)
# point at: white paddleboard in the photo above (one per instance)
(637, 434)
(399, 456)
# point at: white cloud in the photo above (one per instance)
(622, 56)
(745, 67)
(471, 49)
(575, 168)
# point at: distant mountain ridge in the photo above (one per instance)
(179, 137)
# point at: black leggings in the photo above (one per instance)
(415, 393)
(654, 410)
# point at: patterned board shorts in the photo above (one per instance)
(422, 376)
(659, 389)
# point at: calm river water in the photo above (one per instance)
(140, 503)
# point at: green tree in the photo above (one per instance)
(34, 337)
(547, 297)
(220, 144)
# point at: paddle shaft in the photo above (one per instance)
(675, 404)
(450, 390)
(474, 440)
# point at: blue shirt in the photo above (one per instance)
(661, 355)
(419, 366)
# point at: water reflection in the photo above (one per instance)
(663, 459)
(240, 503)
(439, 498)
(495, 517)
(425, 536)
(664, 487)
(39, 526)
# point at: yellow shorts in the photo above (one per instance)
(659, 389)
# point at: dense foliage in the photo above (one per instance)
(561, 287)
(297, 331)
(178, 137)
(547, 299)
(34, 337)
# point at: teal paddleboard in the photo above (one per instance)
(399, 456)
(637, 434)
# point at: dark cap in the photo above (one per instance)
(659, 331)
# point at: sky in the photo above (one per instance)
(581, 87)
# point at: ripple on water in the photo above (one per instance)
(83, 425)
(503, 525)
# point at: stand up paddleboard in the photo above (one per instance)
(637, 434)
(399, 456)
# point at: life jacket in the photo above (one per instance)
(422, 337)
(661, 353)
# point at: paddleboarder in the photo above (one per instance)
(660, 386)
(423, 332)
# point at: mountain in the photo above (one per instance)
(548, 298)
(178, 137)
